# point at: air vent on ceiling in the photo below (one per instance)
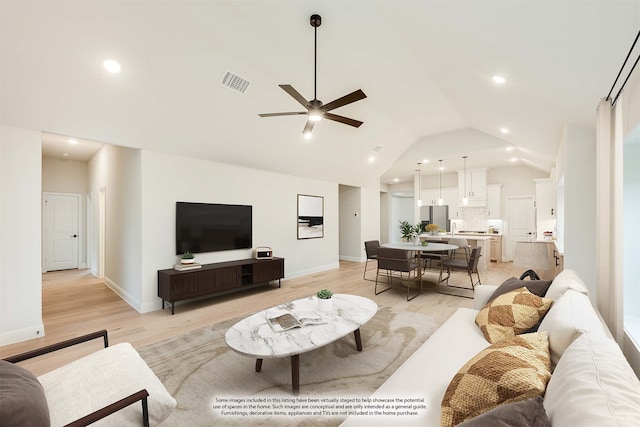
(235, 82)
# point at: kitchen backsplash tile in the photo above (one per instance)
(477, 219)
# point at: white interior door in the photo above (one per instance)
(521, 221)
(61, 231)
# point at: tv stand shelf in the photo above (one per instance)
(217, 279)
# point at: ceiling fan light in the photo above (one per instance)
(315, 116)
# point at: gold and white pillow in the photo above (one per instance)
(511, 314)
(511, 370)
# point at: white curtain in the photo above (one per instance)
(613, 124)
(605, 298)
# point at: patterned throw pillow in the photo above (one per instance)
(511, 314)
(511, 370)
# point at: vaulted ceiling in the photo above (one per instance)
(425, 66)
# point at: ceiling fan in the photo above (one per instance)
(316, 110)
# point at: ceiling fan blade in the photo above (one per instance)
(297, 113)
(347, 99)
(308, 127)
(295, 95)
(341, 119)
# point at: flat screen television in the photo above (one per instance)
(208, 227)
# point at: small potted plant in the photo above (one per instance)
(187, 258)
(325, 300)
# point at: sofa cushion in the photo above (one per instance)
(22, 399)
(525, 413)
(511, 314)
(536, 287)
(593, 385)
(567, 279)
(567, 318)
(115, 371)
(510, 370)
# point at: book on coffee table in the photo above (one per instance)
(287, 321)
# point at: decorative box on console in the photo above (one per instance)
(263, 252)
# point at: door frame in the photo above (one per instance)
(81, 221)
(507, 225)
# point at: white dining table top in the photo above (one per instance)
(431, 247)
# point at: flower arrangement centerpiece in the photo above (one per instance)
(433, 228)
(410, 232)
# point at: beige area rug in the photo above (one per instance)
(198, 369)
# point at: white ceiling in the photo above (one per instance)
(425, 66)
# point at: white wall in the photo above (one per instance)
(20, 235)
(370, 215)
(385, 212)
(350, 223)
(65, 176)
(515, 180)
(401, 210)
(117, 170)
(167, 179)
(577, 165)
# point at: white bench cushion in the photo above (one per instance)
(102, 378)
(593, 385)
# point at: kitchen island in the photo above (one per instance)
(474, 240)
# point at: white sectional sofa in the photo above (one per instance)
(591, 384)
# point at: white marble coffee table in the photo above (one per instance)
(255, 338)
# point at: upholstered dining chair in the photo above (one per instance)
(463, 249)
(470, 266)
(371, 249)
(394, 263)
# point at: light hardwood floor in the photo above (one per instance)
(75, 303)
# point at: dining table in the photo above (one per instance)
(418, 248)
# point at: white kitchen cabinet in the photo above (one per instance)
(430, 196)
(475, 185)
(494, 201)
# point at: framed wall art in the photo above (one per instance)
(310, 217)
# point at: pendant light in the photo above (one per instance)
(440, 200)
(465, 199)
(419, 187)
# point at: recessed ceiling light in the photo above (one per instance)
(307, 136)
(425, 161)
(514, 159)
(65, 154)
(498, 79)
(112, 66)
(510, 148)
(72, 141)
(504, 130)
(372, 159)
(396, 179)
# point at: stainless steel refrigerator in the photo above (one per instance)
(436, 214)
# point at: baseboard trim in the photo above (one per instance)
(319, 269)
(24, 334)
(133, 302)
